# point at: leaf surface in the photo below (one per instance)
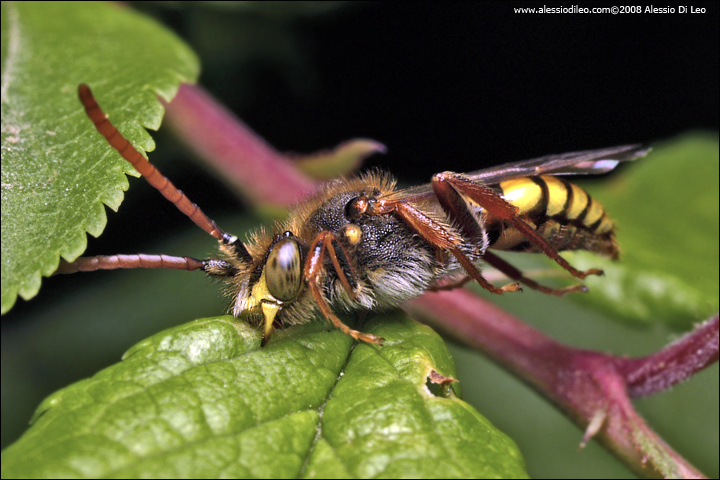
(204, 400)
(57, 171)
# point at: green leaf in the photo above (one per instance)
(666, 209)
(341, 160)
(57, 171)
(203, 400)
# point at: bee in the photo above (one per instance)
(360, 243)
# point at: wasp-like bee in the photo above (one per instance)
(359, 243)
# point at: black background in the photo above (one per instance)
(454, 86)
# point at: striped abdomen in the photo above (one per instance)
(563, 213)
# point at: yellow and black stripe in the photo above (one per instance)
(563, 213)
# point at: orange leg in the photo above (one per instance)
(451, 285)
(517, 275)
(323, 243)
(438, 237)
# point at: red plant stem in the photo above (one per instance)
(587, 385)
(676, 362)
(263, 175)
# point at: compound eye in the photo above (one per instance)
(283, 270)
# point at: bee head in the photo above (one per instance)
(266, 286)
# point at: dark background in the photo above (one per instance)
(444, 86)
(459, 85)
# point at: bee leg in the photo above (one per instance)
(439, 237)
(448, 186)
(324, 243)
(451, 285)
(517, 275)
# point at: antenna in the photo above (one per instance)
(146, 169)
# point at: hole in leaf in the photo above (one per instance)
(438, 384)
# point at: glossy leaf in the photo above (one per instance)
(204, 400)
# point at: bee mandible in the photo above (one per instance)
(360, 243)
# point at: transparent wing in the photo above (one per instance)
(588, 162)
(591, 162)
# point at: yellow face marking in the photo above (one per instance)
(269, 310)
(522, 193)
(258, 293)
